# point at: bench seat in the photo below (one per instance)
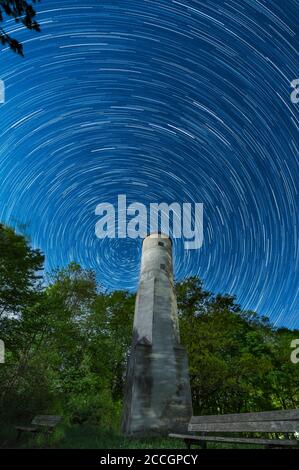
(26, 428)
(41, 423)
(237, 440)
(284, 422)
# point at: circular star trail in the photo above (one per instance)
(164, 101)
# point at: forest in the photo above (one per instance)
(67, 342)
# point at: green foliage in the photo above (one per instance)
(238, 362)
(67, 345)
(19, 267)
(66, 351)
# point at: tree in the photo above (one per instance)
(22, 12)
(21, 295)
(20, 267)
(237, 361)
(68, 342)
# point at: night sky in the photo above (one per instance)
(164, 101)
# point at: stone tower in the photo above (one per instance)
(157, 394)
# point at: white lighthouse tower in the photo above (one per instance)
(157, 395)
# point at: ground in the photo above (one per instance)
(92, 437)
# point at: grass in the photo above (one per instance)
(92, 437)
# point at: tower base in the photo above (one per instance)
(157, 396)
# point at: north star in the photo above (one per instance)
(110, 460)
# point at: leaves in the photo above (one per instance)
(238, 362)
(22, 12)
(68, 341)
(19, 272)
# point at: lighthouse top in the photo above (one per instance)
(158, 235)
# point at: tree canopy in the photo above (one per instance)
(20, 11)
(68, 341)
(20, 267)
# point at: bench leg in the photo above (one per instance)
(19, 434)
(187, 443)
(201, 444)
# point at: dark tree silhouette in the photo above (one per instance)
(22, 12)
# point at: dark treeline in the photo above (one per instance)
(67, 343)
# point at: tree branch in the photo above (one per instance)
(22, 12)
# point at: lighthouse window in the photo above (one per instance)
(160, 243)
(162, 266)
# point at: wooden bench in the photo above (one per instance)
(268, 422)
(41, 423)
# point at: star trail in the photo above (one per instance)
(164, 101)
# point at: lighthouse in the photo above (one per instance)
(157, 392)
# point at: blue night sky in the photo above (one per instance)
(163, 101)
